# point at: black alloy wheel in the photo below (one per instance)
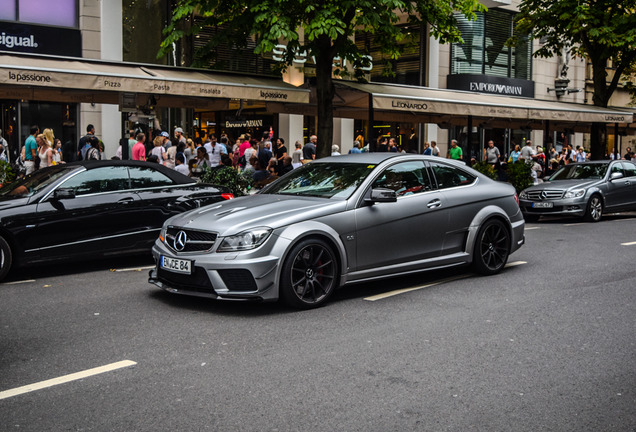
(6, 258)
(594, 210)
(492, 247)
(309, 275)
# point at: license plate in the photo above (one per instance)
(176, 265)
(542, 205)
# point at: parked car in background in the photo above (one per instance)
(586, 190)
(92, 209)
(337, 221)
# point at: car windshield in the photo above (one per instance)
(580, 172)
(33, 183)
(326, 180)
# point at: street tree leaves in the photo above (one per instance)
(603, 31)
(325, 30)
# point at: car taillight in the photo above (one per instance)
(517, 199)
(227, 196)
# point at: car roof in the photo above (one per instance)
(379, 157)
(175, 176)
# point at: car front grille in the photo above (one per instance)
(195, 241)
(198, 281)
(548, 194)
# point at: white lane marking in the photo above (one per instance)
(629, 243)
(406, 290)
(66, 378)
(575, 224)
(531, 228)
(19, 282)
(132, 269)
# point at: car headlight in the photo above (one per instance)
(162, 234)
(523, 195)
(245, 241)
(576, 193)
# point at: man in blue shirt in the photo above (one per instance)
(31, 150)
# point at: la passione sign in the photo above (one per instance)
(36, 39)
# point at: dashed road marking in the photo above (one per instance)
(19, 282)
(133, 269)
(66, 378)
(531, 228)
(407, 290)
(629, 244)
(575, 224)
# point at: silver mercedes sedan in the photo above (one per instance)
(338, 221)
(585, 190)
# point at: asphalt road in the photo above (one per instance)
(547, 345)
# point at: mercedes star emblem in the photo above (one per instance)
(544, 195)
(180, 241)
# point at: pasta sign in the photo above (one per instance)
(302, 57)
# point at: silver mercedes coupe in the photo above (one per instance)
(337, 221)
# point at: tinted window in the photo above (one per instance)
(104, 179)
(630, 169)
(147, 177)
(583, 171)
(326, 180)
(405, 178)
(448, 176)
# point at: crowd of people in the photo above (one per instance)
(260, 160)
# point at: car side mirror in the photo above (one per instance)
(64, 193)
(616, 175)
(382, 195)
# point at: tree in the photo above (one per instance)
(603, 31)
(323, 29)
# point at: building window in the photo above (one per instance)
(60, 13)
(403, 70)
(484, 50)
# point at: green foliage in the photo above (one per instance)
(6, 173)
(228, 177)
(486, 169)
(601, 32)
(519, 175)
(324, 30)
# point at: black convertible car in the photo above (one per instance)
(92, 209)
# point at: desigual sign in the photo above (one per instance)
(38, 39)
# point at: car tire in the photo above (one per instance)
(531, 217)
(309, 275)
(594, 209)
(6, 258)
(492, 247)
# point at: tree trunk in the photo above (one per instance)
(324, 94)
(598, 145)
(599, 98)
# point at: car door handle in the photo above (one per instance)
(126, 200)
(433, 204)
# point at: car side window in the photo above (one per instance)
(98, 180)
(448, 176)
(147, 177)
(630, 169)
(616, 168)
(406, 178)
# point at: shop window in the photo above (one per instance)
(61, 13)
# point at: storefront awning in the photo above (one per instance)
(19, 74)
(436, 104)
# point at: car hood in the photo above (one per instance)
(563, 185)
(12, 202)
(262, 210)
